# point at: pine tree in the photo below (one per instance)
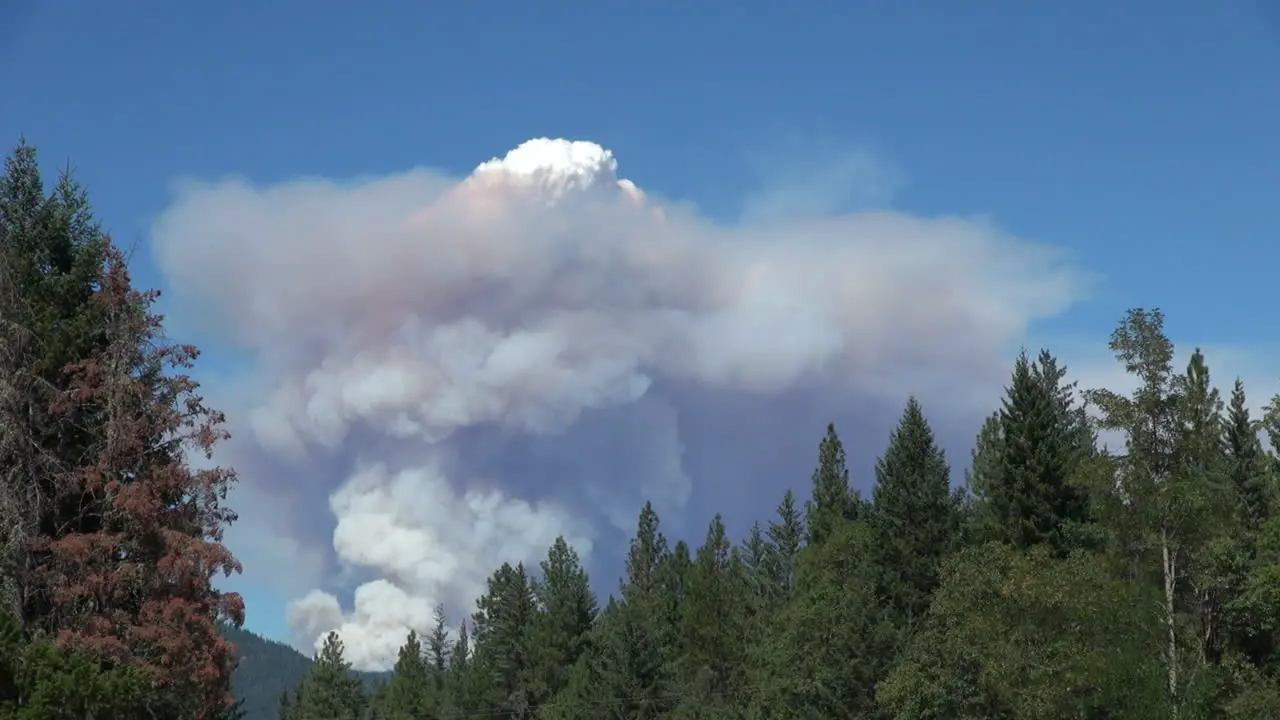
(439, 650)
(713, 628)
(755, 565)
(52, 254)
(406, 696)
(985, 521)
(674, 573)
(560, 630)
(469, 687)
(635, 676)
(1042, 442)
(288, 706)
(786, 537)
(501, 631)
(648, 550)
(330, 691)
(1247, 464)
(915, 516)
(824, 652)
(834, 502)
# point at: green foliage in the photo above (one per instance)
(833, 500)
(559, 633)
(408, 694)
(1015, 635)
(266, 670)
(1247, 465)
(39, 681)
(1026, 457)
(825, 649)
(501, 626)
(915, 517)
(786, 537)
(713, 623)
(330, 691)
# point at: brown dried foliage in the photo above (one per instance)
(137, 533)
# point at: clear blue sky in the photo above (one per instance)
(1142, 135)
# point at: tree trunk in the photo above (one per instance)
(1170, 568)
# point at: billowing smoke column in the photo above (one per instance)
(435, 358)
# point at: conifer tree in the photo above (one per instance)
(109, 540)
(786, 536)
(406, 695)
(560, 630)
(984, 520)
(501, 628)
(438, 650)
(131, 578)
(1247, 464)
(828, 647)
(915, 516)
(834, 502)
(52, 254)
(330, 691)
(469, 687)
(1042, 442)
(755, 566)
(713, 625)
(288, 705)
(634, 639)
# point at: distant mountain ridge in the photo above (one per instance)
(268, 669)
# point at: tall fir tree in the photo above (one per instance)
(713, 628)
(438, 650)
(330, 691)
(132, 579)
(834, 501)
(109, 540)
(786, 537)
(826, 649)
(561, 629)
(1042, 440)
(983, 519)
(407, 694)
(635, 678)
(1247, 464)
(501, 631)
(52, 254)
(755, 565)
(915, 515)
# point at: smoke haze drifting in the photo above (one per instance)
(447, 374)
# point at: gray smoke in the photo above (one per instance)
(444, 375)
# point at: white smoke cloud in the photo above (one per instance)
(391, 320)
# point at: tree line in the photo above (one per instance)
(1059, 578)
(1063, 579)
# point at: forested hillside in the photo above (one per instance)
(1056, 578)
(267, 670)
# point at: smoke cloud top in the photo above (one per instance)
(447, 374)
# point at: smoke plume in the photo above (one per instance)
(442, 375)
